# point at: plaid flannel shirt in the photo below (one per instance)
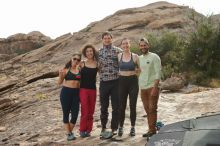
(108, 63)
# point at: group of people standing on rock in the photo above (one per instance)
(121, 73)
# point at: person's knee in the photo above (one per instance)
(89, 116)
(74, 118)
(152, 110)
(115, 106)
(132, 106)
(66, 119)
(74, 112)
(115, 111)
(73, 121)
(104, 110)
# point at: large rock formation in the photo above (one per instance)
(29, 96)
(216, 18)
(21, 43)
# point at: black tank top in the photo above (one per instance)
(127, 66)
(72, 76)
(88, 77)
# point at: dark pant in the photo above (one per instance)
(150, 106)
(107, 89)
(128, 85)
(69, 98)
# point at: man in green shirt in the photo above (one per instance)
(149, 79)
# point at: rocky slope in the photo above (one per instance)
(216, 18)
(21, 43)
(29, 97)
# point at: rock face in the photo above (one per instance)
(29, 96)
(216, 18)
(174, 83)
(21, 43)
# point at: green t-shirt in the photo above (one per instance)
(150, 66)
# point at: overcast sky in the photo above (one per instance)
(57, 17)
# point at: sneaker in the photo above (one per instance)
(132, 131)
(82, 134)
(159, 125)
(71, 136)
(106, 134)
(102, 131)
(120, 131)
(114, 132)
(87, 134)
(148, 134)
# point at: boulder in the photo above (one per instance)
(174, 83)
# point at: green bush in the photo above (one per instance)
(20, 51)
(197, 53)
(170, 47)
(202, 53)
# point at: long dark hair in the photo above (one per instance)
(95, 53)
(69, 63)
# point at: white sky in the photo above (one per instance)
(57, 17)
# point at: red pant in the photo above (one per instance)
(87, 101)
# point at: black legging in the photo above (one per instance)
(69, 98)
(109, 91)
(128, 85)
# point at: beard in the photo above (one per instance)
(144, 51)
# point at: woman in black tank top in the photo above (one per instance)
(128, 85)
(89, 71)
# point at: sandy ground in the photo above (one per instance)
(39, 121)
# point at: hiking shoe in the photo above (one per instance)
(159, 125)
(148, 134)
(132, 131)
(70, 136)
(82, 134)
(114, 132)
(87, 134)
(106, 134)
(102, 131)
(120, 131)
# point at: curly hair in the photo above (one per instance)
(93, 49)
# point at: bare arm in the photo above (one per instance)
(81, 64)
(137, 62)
(62, 74)
(119, 56)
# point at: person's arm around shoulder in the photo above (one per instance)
(137, 63)
(62, 74)
(119, 50)
(81, 64)
(100, 59)
(119, 56)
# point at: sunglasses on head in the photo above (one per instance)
(76, 59)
